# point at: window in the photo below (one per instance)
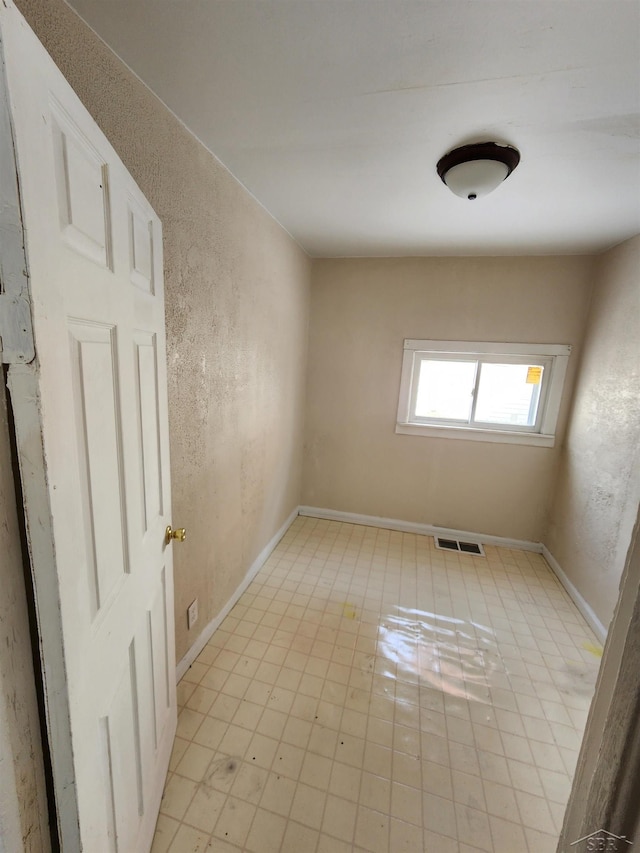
(482, 391)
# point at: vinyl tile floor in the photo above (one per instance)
(370, 693)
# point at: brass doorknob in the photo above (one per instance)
(179, 534)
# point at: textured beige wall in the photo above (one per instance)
(237, 293)
(598, 487)
(23, 805)
(361, 311)
(606, 760)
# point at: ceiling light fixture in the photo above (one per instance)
(475, 170)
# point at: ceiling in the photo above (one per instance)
(333, 113)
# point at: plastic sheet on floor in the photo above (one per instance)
(453, 655)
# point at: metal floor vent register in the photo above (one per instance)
(461, 547)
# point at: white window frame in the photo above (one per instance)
(554, 357)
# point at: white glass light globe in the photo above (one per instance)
(476, 178)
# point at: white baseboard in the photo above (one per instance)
(596, 625)
(416, 527)
(501, 542)
(404, 527)
(207, 632)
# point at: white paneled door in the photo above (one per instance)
(92, 441)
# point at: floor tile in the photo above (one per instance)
(369, 694)
(234, 821)
(188, 838)
(298, 838)
(178, 793)
(205, 809)
(267, 832)
(166, 829)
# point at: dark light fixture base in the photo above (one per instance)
(508, 156)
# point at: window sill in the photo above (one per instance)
(470, 434)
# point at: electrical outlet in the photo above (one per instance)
(192, 613)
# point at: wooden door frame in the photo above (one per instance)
(25, 792)
(22, 384)
(606, 784)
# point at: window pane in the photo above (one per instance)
(445, 389)
(509, 394)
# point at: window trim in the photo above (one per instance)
(557, 354)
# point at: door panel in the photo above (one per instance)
(92, 436)
(99, 436)
(82, 179)
(125, 801)
(149, 421)
(140, 247)
(160, 661)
